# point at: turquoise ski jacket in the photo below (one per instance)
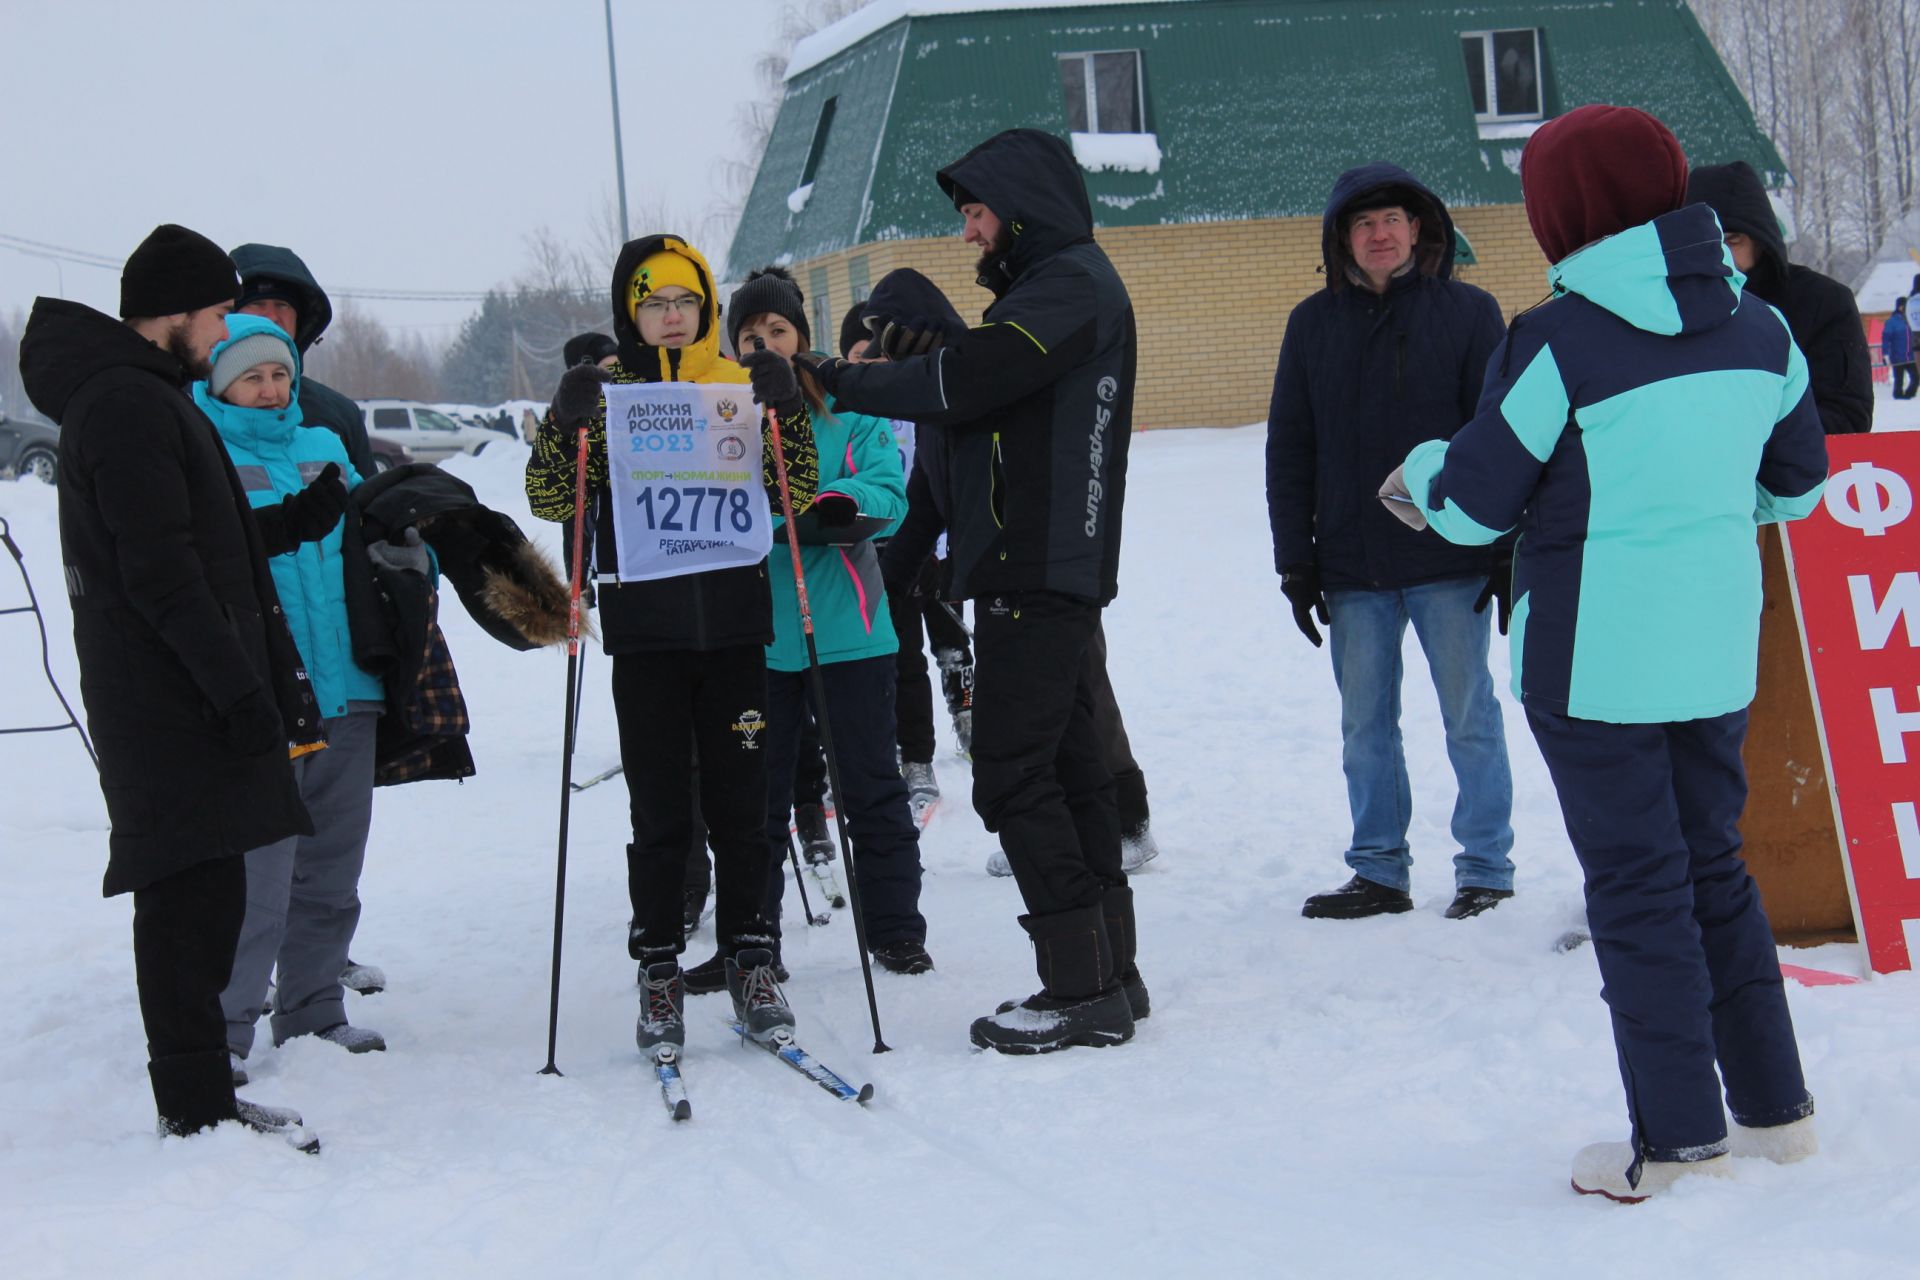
(1635, 428)
(276, 456)
(858, 458)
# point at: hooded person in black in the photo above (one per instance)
(1037, 406)
(1820, 311)
(270, 274)
(193, 687)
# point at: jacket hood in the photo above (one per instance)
(65, 344)
(1432, 254)
(246, 427)
(665, 364)
(1669, 276)
(1033, 185)
(1735, 194)
(909, 297)
(271, 262)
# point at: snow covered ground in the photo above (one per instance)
(1388, 1097)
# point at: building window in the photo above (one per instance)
(1503, 74)
(825, 327)
(820, 131)
(1102, 92)
(859, 280)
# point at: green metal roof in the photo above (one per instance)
(1257, 104)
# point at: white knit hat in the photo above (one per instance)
(240, 356)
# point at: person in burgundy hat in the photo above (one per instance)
(1634, 429)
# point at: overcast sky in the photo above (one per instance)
(398, 144)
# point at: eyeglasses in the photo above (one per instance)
(658, 307)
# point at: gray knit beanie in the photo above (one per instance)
(240, 356)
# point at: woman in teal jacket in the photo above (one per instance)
(860, 480)
(303, 900)
(1635, 429)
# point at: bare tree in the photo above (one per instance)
(362, 359)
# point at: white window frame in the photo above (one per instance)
(1086, 58)
(1490, 78)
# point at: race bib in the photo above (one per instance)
(683, 468)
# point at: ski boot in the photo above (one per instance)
(923, 790)
(956, 684)
(758, 1003)
(661, 1031)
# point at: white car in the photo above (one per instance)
(422, 430)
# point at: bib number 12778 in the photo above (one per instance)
(681, 509)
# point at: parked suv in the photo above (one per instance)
(422, 430)
(30, 446)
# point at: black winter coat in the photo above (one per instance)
(1037, 400)
(175, 619)
(320, 405)
(1820, 311)
(1363, 378)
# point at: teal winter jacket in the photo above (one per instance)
(1635, 428)
(859, 458)
(276, 456)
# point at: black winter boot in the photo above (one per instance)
(192, 1091)
(1079, 1003)
(1117, 907)
(1355, 899)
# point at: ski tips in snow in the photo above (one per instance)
(783, 1046)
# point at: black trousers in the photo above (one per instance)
(1040, 777)
(1906, 378)
(185, 929)
(1129, 783)
(886, 843)
(1686, 956)
(716, 700)
(919, 620)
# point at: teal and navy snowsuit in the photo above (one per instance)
(303, 899)
(1636, 429)
(854, 637)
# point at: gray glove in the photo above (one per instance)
(1395, 496)
(409, 554)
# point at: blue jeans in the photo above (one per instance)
(1367, 630)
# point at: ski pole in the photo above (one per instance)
(793, 855)
(46, 656)
(566, 751)
(820, 715)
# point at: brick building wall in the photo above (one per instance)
(1210, 299)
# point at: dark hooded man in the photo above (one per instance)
(1037, 407)
(193, 687)
(276, 285)
(1820, 311)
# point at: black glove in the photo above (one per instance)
(577, 398)
(1301, 585)
(310, 514)
(252, 725)
(825, 369)
(899, 339)
(834, 510)
(774, 382)
(1499, 589)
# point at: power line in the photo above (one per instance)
(84, 258)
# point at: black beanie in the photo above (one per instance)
(770, 290)
(176, 270)
(588, 348)
(853, 327)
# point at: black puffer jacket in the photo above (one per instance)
(1037, 401)
(175, 618)
(320, 405)
(1363, 378)
(1820, 311)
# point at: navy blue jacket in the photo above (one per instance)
(1363, 378)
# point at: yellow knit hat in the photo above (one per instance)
(657, 272)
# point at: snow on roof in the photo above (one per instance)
(1884, 282)
(858, 25)
(1126, 152)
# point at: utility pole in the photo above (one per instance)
(619, 155)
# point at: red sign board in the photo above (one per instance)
(1855, 565)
